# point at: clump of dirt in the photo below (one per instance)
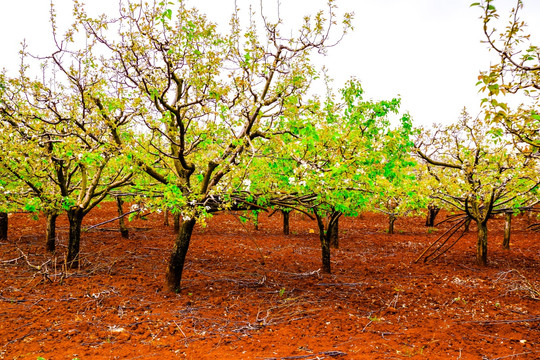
(258, 294)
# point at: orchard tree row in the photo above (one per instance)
(160, 105)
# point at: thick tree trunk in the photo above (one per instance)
(482, 244)
(3, 226)
(507, 228)
(431, 215)
(122, 223)
(178, 255)
(286, 228)
(50, 233)
(391, 220)
(325, 245)
(325, 248)
(334, 235)
(176, 223)
(75, 218)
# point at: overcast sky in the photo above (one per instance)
(427, 51)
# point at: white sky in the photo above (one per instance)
(427, 51)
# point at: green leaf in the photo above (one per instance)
(168, 14)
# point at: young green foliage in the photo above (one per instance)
(515, 76)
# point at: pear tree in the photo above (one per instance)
(207, 98)
(478, 171)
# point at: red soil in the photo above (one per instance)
(251, 294)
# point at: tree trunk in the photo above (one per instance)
(482, 243)
(3, 226)
(166, 217)
(324, 236)
(431, 215)
(176, 223)
(286, 228)
(123, 228)
(507, 228)
(256, 220)
(325, 245)
(75, 218)
(334, 235)
(325, 252)
(50, 233)
(391, 220)
(178, 255)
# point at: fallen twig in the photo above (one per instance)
(12, 260)
(514, 355)
(323, 353)
(32, 266)
(340, 284)
(521, 284)
(495, 322)
(12, 300)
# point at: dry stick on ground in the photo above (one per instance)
(284, 312)
(515, 355)
(534, 227)
(495, 322)
(449, 247)
(11, 260)
(32, 266)
(316, 356)
(523, 284)
(452, 229)
(40, 269)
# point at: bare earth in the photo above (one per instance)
(251, 294)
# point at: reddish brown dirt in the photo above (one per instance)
(251, 294)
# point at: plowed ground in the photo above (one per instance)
(258, 294)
